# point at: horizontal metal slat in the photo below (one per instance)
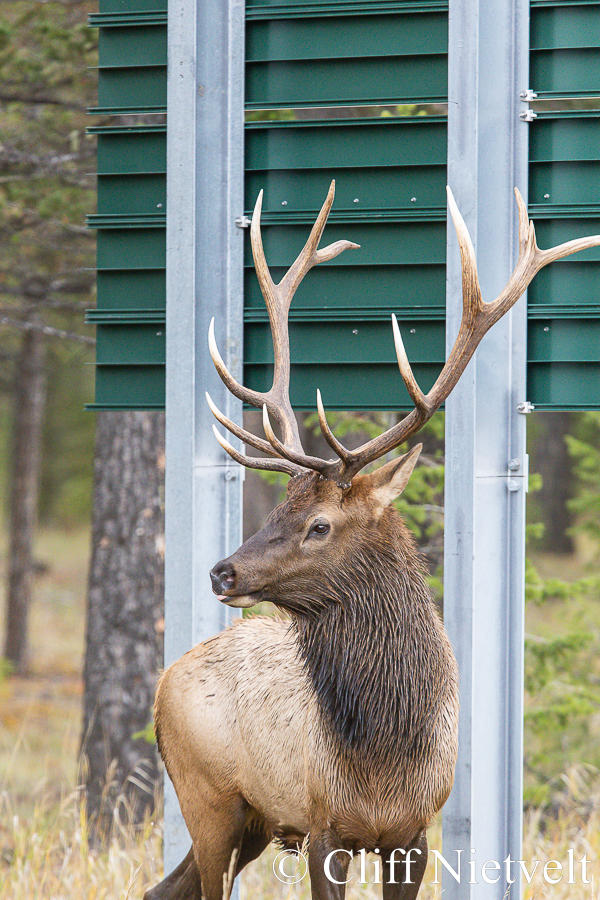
(566, 138)
(563, 311)
(346, 36)
(132, 46)
(561, 27)
(565, 73)
(141, 248)
(351, 314)
(563, 340)
(135, 90)
(564, 386)
(127, 220)
(131, 194)
(357, 386)
(129, 387)
(131, 151)
(131, 6)
(354, 215)
(131, 289)
(567, 281)
(368, 287)
(126, 317)
(314, 8)
(551, 232)
(391, 244)
(128, 345)
(327, 342)
(412, 186)
(373, 142)
(564, 182)
(346, 82)
(127, 19)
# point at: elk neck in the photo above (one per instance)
(374, 654)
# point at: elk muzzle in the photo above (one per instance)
(223, 579)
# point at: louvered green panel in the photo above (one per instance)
(564, 183)
(393, 187)
(129, 387)
(127, 7)
(564, 386)
(565, 50)
(344, 82)
(337, 357)
(129, 150)
(127, 289)
(139, 90)
(364, 385)
(133, 47)
(557, 285)
(338, 37)
(390, 176)
(132, 194)
(353, 144)
(376, 290)
(554, 27)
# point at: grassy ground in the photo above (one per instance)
(44, 851)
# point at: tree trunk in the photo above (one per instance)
(29, 400)
(552, 461)
(125, 616)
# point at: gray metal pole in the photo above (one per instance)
(205, 171)
(485, 450)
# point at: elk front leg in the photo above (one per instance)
(328, 866)
(403, 872)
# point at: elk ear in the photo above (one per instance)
(389, 481)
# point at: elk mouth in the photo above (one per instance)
(241, 601)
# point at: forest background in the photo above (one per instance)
(74, 534)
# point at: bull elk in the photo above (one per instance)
(340, 724)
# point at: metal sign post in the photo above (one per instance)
(486, 463)
(205, 169)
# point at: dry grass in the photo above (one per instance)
(46, 856)
(545, 839)
(44, 849)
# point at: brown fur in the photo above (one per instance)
(341, 724)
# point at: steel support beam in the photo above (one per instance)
(205, 172)
(485, 498)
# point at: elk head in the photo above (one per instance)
(328, 502)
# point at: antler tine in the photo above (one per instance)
(301, 459)
(278, 297)
(254, 398)
(256, 462)
(477, 318)
(246, 436)
(336, 446)
(310, 256)
(414, 391)
(472, 301)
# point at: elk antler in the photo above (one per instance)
(477, 318)
(290, 456)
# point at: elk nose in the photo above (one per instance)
(222, 577)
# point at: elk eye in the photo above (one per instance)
(319, 528)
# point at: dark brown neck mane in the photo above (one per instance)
(370, 653)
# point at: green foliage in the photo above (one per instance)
(584, 447)
(146, 734)
(562, 666)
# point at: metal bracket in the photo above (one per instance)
(528, 116)
(525, 407)
(243, 222)
(527, 96)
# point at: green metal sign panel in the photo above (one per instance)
(390, 172)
